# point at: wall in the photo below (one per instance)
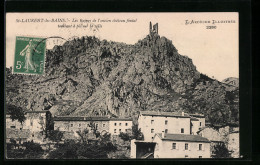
(123, 127)
(195, 127)
(174, 125)
(14, 123)
(211, 134)
(35, 122)
(202, 120)
(233, 144)
(163, 149)
(102, 126)
(133, 149)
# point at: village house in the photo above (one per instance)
(35, 121)
(181, 146)
(197, 122)
(213, 135)
(170, 135)
(33, 127)
(151, 122)
(171, 146)
(102, 124)
(118, 125)
(12, 124)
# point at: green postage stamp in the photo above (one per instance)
(29, 55)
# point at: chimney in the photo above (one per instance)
(163, 134)
(182, 113)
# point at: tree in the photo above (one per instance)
(68, 150)
(83, 134)
(55, 135)
(94, 127)
(137, 134)
(16, 113)
(83, 150)
(124, 136)
(13, 143)
(32, 150)
(221, 151)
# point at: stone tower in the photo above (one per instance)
(153, 29)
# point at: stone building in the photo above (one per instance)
(151, 122)
(197, 123)
(171, 146)
(170, 135)
(35, 121)
(33, 128)
(181, 146)
(102, 124)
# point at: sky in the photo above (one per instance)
(214, 52)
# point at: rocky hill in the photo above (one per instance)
(87, 76)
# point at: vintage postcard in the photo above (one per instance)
(122, 85)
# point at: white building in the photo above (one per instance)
(197, 123)
(117, 125)
(151, 122)
(35, 121)
(181, 146)
(103, 124)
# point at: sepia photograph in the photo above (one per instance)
(160, 85)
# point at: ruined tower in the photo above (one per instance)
(153, 29)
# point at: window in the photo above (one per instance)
(152, 138)
(186, 156)
(166, 122)
(31, 123)
(125, 130)
(200, 123)
(126, 124)
(173, 145)
(104, 125)
(182, 130)
(79, 125)
(71, 125)
(12, 126)
(200, 156)
(119, 124)
(166, 131)
(152, 121)
(114, 130)
(119, 130)
(200, 146)
(115, 124)
(186, 146)
(152, 130)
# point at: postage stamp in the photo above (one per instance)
(29, 55)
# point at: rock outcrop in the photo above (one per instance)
(87, 76)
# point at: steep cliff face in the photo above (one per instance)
(87, 76)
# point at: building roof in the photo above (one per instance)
(166, 114)
(36, 111)
(16, 133)
(94, 118)
(79, 118)
(120, 119)
(194, 119)
(197, 115)
(183, 137)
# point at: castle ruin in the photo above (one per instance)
(153, 29)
